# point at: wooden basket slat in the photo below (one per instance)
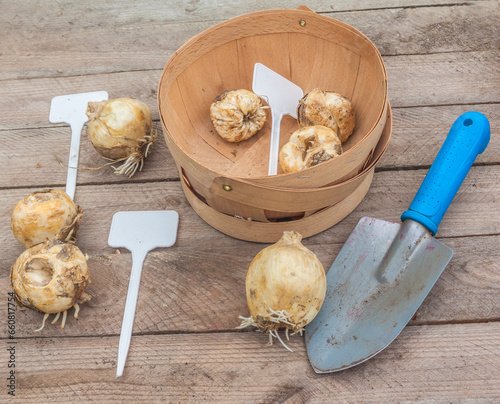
(254, 164)
(311, 69)
(201, 153)
(250, 230)
(202, 82)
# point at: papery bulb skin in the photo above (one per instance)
(329, 109)
(285, 278)
(45, 215)
(121, 129)
(51, 277)
(237, 115)
(309, 146)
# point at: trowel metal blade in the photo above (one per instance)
(376, 284)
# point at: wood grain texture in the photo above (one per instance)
(452, 74)
(448, 78)
(439, 364)
(183, 286)
(186, 289)
(201, 10)
(472, 26)
(26, 103)
(267, 38)
(419, 132)
(417, 135)
(48, 167)
(81, 39)
(442, 59)
(387, 198)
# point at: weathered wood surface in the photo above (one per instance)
(442, 58)
(471, 213)
(438, 364)
(418, 133)
(191, 290)
(202, 255)
(461, 77)
(76, 38)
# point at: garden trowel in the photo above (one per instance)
(385, 270)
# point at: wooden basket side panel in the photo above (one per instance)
(287, 202)
(220, 203)
(271, 232)
(321, 64)
(284, 199)
(370, 89)
(182, 133)
(200, 84)
(181, 85)
(263, 23)
(255, 162)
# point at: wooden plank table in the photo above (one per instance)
(442, 58)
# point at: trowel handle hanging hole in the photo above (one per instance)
(468, 122)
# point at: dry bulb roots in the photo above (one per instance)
(121, 130)
(285, 288)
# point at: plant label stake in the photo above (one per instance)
(283, 97)
(71, 109)
(139, 232)
(385, 270)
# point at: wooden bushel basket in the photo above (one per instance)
(230, 179)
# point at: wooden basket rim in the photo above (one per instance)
(167, 77)
(237, 19)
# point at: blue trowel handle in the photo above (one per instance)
(467, 138)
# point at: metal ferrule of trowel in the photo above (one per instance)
(385, 270)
